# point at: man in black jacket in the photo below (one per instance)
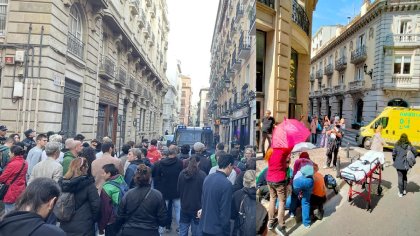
(166, 173)
(29, 140)
(190, 187)
(216, 199)
(200, 150)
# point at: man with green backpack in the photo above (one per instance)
(112, 192)
(213, 159)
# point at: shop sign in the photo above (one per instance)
(225, 120)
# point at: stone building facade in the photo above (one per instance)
(170, 110)
(232, 82)
(374, 62)
(202, 108)
(283, 58)
(93, 67)
(185, 117)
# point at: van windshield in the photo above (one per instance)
(381, 121)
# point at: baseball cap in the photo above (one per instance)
(3, 128)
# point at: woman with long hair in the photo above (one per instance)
(325, 125)
(190, 187)
(90, 155)
(87, 201)
(142, 209)
(14, 175)
(399, 155)
(32, 209)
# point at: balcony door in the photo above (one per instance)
(70, 108)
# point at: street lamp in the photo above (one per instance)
(368, 72)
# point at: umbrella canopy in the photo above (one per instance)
(289, 133)
(303, 147)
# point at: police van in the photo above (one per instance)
(191, 135)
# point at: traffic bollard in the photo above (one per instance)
(338, 167)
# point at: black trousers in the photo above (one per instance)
(330, 156)
(314, 138)
(265, 136)
(402, 180)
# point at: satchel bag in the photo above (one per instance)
(411, 159)
(4, 187)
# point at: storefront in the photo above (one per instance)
(241, 127)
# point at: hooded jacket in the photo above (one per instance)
(153, 154)
(166, 173)
(27, 223)
(4, 157)
(9, 173)
(399, 155)
(237, 198)
(131, 171)
(190, 188)
(68, 157)
(87, 205)
(110, 197)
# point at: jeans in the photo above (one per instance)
(314, 138)
(304, 185)
(110, 230)
(264, 137)
(176, 204)
(187, 219)
(402, 180)
(169, 213)
(277, 190)
(330, 156)
(8, 207)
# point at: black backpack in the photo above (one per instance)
(247, 217)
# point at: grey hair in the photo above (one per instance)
(69, 143)
(173, 150)
(106, 140)
(136, 152)
(52, 148)
(249, 149)
(56, 138)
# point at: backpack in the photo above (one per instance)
(247, 217)
(123, 189)
(213, 160)
(330, 182)
(65, 207)
(411, 159)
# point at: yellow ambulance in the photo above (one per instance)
(395, 121)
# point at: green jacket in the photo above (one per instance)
(213, 160)
(113, 191)
(68, 157)
(4, 156)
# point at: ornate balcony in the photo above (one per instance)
(341, 64)
(244, 45)
(153, 11)
(121, 77)
(236, 62)
(327, 91)
(137, 89)
(146, 31)
(130, 82)
(75, 46)
(107, 68)
(233, 27)
(268, 3)
(356, 86)
(312, 77)
(317, 93)
(359, 55)
(339, 89)
(134, 7)
(239, 11)
(402, 40)
(328, 70)
(152, 40)
(148, 3)
(402, 83)
(319, 74)
(142, 19)
(299, 17)
(165, 45)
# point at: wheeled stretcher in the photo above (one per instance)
(364, 171)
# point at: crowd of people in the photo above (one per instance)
(89, 188)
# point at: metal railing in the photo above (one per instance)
(356, 85)
(299, 16)
(122, 76)
(75, 46)
(245, 41)
(107, 67)
(319, 74)
(329, 70)
(268, 3)
(358, 55)
(341, 63)
(339, 88)
(142, 18)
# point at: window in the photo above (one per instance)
(405, 27)
(402, 65)
(329, 82)
(75, 24)
(182, 102)
(359, 73)
(319, 85)
(312, 86)
(341, 79)
(184, 94)
(248, 73)
(361, 41)
(3, 14)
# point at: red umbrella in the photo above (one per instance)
(289, 133)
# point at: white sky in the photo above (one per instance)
(191, 31)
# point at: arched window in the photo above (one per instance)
(75, 24)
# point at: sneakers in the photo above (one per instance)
(405, 192)
(281, 231)
(291, 215)
(325, 167)
(307, 226)
(271, 225)
(399, 194)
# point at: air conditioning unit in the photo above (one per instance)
(19, 71)
(18, 90)
(20, 56)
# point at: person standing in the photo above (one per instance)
(3, 130)
(35, 154)
(319, 194)
(14, 175)
(74, 147)
(166, 173)
(86, 198)
(268, 124)
(112, 191)
(48, 168)
(277, 184)
(29, 141)
(216, 199)
(377, 141)
(142, 209)
(134, 160)
(32, 209)
(334, 134)
(16, 137)
(5, 153)
(314, 127)
(107, 158)
(190, 187)
(205, 163)
(399, 155)
(153, 153)
(55, 138)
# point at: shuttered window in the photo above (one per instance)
(3, 14)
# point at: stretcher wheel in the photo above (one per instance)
(379, 190)
(368, 206)
(349, 199)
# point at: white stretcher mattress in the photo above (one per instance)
(360, 168)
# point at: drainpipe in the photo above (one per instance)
(38, 87)
(31, 90)
(95, 110)
(25, 81)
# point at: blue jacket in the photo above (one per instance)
(216, 204)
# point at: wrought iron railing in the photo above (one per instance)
(319, 74)
(329, 70)
(299, 16)
(341, 63)
(245, 41)
(359, 54)
(269, 3)
(75, 46)
(108, 67)
(122, 76)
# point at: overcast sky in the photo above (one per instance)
(191, 31)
